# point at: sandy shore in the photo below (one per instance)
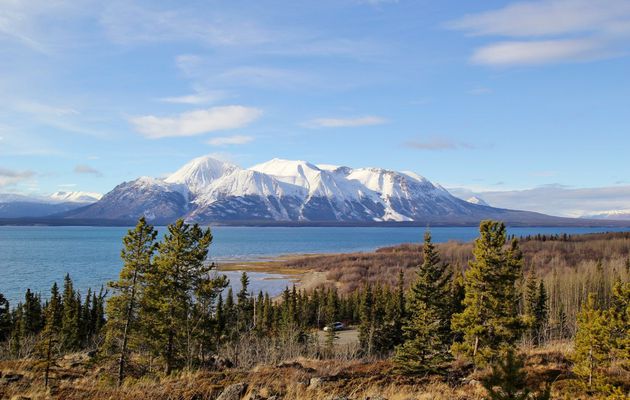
(304, 278)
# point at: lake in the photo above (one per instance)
(34, 257)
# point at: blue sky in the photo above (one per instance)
(503, 99)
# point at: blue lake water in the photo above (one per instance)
(35, 257)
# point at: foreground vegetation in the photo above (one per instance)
(525, 319)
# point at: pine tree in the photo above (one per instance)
(122, 307)
(5, 319)
(31, 314)
(423, 350)
(49, 341)
(620, 321)
(541, 311)
(70, 316)
(427, 328)
(367, 327)
(169, 296)
(592, 344)
(490, 320)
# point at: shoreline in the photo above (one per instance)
(303, 278)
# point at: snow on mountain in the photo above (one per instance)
(620, 215)
(157, 200)
(207, 190)
(75, 197)
(200, 172)
(477, 200)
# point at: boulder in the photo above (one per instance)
(233, 392)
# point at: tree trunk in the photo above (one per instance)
(123, 351)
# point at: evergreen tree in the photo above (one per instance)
(423, 350)
(70, 316)
(5, 319)
(490, 320)
(592, 344)
(31, 314)
(620, 320)
(122, 307)
(169, 297)
(49, 342)
(427, 328)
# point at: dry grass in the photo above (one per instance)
(299, 379)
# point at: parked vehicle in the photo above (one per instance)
(335, 326)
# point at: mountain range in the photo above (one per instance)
(284, 192)
(207, 190)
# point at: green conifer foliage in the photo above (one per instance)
(5, 319)
(593, 344)
(70, 316)
(122, 307)
(169, 297)
(427, 327)
(490, 320)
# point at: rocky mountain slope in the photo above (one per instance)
(207, 190)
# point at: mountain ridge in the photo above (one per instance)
(280, 191)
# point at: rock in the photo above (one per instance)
(220, 363)
(295, 365)
(315, 383)
(233, 392)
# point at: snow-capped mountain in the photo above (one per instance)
(477, 200)
(207, 190)
(200, 172)
(76, 197)
(618, 215)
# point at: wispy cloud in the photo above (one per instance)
(199, 97)
(10, 177)
(366, 120)
(549, 31)
(129, 23)
(86, 169)
(196, 122)
(437, 144)
(230, 140)
(556, 199)
(538, 52)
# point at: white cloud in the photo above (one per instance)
(555, 199)
(196, 122)
(199, 97)
(129, 23)
(345, 122)
(537, 52)
(230, 140)
(549, 31)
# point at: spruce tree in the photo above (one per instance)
(490, 320)
(169, 296)
(592, 344)
(31, 314)
(70, 316)
(122, 307)
(427, 327)
(5, 319)
(50, 341)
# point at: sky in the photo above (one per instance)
(526, 104)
